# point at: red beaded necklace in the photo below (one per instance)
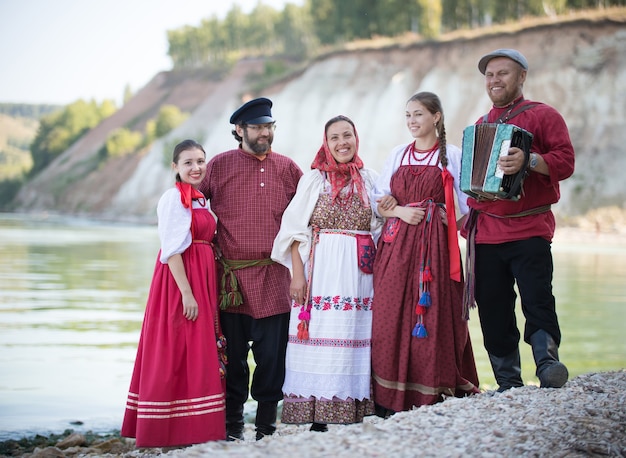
(428, 153)
(424, 160)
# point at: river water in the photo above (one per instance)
(72, 295)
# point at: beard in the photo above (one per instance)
(255, 146)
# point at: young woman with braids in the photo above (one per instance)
(421, 349)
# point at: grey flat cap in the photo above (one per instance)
(504, 52)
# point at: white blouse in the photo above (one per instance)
(295, 226)
(383, 184)
(174, 224)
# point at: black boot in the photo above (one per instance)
(508, 370)
(319, 427)
(551, 372)
(234, 421)
(382, 412)
(265, 419)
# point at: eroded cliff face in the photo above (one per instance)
(579, 67)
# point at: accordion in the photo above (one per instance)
(483, 144)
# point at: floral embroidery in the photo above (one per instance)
(345, 303)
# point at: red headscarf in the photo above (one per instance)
(341, 175)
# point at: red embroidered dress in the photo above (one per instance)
(176, 394)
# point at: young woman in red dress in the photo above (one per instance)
(176, 395)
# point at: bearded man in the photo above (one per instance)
(249, 189)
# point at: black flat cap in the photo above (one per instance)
(512, 54)
(256, 111)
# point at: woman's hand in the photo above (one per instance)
(177, 268)
(297, 288)
(410, 215)
(444, 215)
(190, 307)
(387, 202)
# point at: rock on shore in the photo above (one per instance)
(587, 417)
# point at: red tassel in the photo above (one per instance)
(303, 331)
(419, 310)
(428, 276)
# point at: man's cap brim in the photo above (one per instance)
(512, 54)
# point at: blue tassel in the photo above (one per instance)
(425, 299)
(419, 331)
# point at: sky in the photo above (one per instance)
(59, 51)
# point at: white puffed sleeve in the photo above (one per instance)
(382, 186)
(174, 224)
(294, 226)
(376, 224)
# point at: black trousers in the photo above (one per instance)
(498, 267)
(267, 338)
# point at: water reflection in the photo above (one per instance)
(72, 295)
(71, 303)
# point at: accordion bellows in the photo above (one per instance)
(483, 144)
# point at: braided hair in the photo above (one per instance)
(433, 105)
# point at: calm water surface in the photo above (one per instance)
(72, 295)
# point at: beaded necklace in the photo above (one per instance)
(423, 161)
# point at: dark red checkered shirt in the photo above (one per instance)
(249, 196)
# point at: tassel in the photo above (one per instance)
(230, 299)
(419, 331)
(419, 310)
(425, 299)
(427, 276)
(304, 315)
(303, 331)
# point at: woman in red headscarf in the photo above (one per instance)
(327, 240)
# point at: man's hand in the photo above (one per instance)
(513, 162)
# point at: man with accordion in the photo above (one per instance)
(509, 233)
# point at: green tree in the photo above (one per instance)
(322, 12)
(179, 49)
(295, 30)
(58, 130)
(395, 17)
(122, 141)
(235, 26)
(430, 17)
(169, 118)
(261, 35)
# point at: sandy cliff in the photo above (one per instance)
(578, 66)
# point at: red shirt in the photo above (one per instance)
(551, 140)
(249, 196)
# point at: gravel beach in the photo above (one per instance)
(587, 417)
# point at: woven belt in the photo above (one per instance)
(231, 297)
